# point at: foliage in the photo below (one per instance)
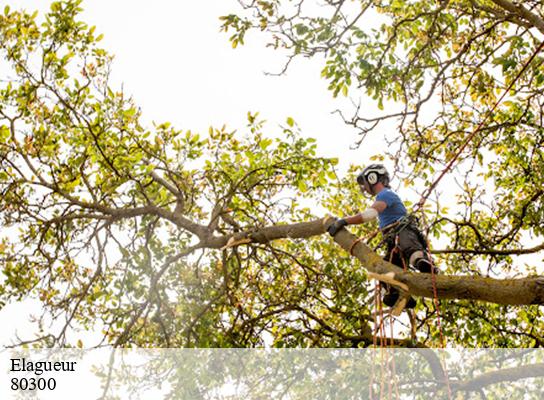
(325, 373)
(111, 220)
(122, 229)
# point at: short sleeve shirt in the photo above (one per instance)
(395, 209)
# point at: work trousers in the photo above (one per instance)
(402, 243)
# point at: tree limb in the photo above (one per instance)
(522, 291)
(502, 375)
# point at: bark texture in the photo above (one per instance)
(503, 375)
(528, 290)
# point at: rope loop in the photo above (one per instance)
(354, 244)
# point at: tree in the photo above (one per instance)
(163, 237)
(436, 69)
(323, 373)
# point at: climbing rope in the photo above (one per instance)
(450, 164)
(436, 303)
(374, 343)
(393, 368)
(379, 328)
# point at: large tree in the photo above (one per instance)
(163, 237)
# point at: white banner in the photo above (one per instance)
(272, 374)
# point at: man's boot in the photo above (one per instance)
(392, 296)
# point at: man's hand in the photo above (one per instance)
(336, 226)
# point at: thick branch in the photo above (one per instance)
(500, 291)
(267, 234)
(503, 375)
(521, 11)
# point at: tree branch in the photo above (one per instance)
(519, 10)
(491, 252)
(522, 291)
(503, 375)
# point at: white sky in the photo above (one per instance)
(172, 57)
(180, 68)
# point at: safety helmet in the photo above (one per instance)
(373, 174)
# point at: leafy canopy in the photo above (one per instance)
(435, 69)
(125, 229)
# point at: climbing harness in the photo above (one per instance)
(393, 230)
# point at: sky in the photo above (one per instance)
(178, 66)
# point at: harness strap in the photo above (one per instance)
(392, 230)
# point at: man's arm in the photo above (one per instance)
(368, 215)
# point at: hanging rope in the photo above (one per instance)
(374, 342)
(394, 367)
(450, 164)
(379, 333)
(436, 303)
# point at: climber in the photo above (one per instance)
(406, 245)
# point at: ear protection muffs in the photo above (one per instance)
(372, 178)
(373, 174)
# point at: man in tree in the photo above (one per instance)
(406, 245)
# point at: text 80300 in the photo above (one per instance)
(33, 384)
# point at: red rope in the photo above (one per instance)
(437, 307)
(439, 324)
(374, 342)
(429, 189)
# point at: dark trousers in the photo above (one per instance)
(402, 243)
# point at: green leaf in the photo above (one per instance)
(263, 144)
(290, 121)
(302, 186)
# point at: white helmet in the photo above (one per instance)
(373, 174)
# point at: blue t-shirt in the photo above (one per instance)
(395, 209)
